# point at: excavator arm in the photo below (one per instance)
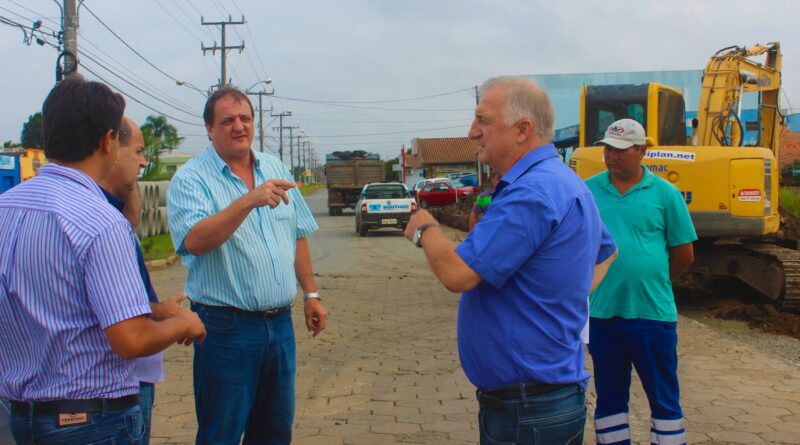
(730, 73)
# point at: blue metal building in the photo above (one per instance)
(565, 90)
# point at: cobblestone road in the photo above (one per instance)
(387, 372)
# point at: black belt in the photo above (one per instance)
(268, 314)
(495, 397)
(74, 406)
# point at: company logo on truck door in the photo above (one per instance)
(750, 195)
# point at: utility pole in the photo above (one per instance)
(280, 117)
(261, 94)
(300, 149)
(223, 79)
(291, 148)
(69, 26)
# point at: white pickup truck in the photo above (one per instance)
(384, 204)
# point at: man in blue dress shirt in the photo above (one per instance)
(241, 227)
(73, 310)
(525, 272)
(120, 188)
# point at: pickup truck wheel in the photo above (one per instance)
(362, 230)
(423, 204)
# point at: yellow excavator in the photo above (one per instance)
(731, 190)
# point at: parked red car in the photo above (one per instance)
(443, 193)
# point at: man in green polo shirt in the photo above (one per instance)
(633, 316)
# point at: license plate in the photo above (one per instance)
(389, 221)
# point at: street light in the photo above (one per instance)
(265, 82)
(187, 84)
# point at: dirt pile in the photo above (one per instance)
(790, 225)
(456, 215)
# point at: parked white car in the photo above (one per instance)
(385, 204)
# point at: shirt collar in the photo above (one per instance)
(525, 163)
(218, 163)
(647, 181)
(113, 200)
(53, 169)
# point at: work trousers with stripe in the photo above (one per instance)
(650, 346)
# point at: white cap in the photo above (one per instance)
(623, 134)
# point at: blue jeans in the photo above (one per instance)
(146, 398)
(105, 428)
(555, 417)
(5, 427)
(244, 379)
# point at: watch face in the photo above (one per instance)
(417, 234)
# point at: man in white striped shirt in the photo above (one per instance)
(240, 226)
(73, 310)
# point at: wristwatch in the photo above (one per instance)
(311, 296)
(417, 239)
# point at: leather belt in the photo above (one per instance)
(268, 314)
(74, 406)
(495, 397)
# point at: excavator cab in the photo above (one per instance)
(603, 104)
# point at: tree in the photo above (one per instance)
(32, 132)
(392, 175)
(159, 137)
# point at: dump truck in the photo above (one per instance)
(346, 173)
(731, 189)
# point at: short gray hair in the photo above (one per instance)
(525, 99)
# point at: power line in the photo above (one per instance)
(113, 73)
(122, 68)
(390, 132)
(252, 39)
(383, 122)
(139, 101)
(368, 108)
(337, 102)
(163, 8)
(127, 45)
(35, 13)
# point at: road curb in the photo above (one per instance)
(161, 264)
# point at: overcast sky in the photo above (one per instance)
(354, 52)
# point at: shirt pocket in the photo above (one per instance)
(284, 212)
(647, 221)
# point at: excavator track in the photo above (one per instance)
(789, 259)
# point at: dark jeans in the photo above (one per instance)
(244, 376)
(106, 428)
(146, 397)
(555, 417)
(5, 426)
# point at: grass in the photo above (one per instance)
(157, 247)
(160, 247)
(310, 188)
(790, 200)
